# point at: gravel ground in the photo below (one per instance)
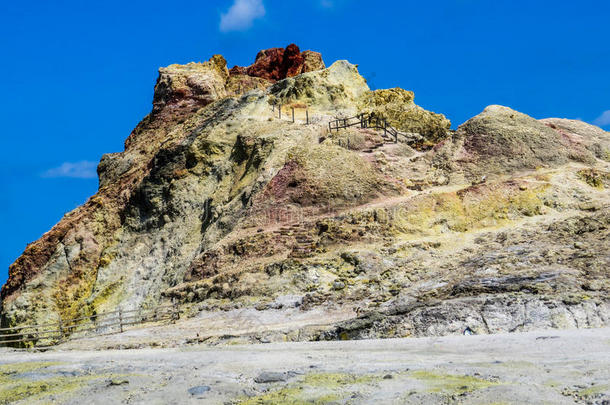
(558, 367)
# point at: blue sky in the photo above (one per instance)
(77, 76)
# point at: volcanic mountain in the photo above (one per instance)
(288, 201)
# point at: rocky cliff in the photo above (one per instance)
(219, 204)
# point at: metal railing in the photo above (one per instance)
(50, 334)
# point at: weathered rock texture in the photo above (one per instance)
(337, 89)
(398, 107)
(192, 86)
(279, 63)
(578, 134)
(218, 204)
(503, 141)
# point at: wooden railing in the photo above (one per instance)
(102, 323)
(277, 106)
(368, 121)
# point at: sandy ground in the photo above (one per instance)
(555, 367)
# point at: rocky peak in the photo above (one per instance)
(191, 86)
(279, 63)
(183, 89)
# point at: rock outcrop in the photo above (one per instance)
(398, 106)
(192, 86)
(337, 88)
(279, 63)
(578, 135)
(219, 204)
(501, 141)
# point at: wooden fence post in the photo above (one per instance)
(121, 319)
(385, 127)
(175, 312)
(61, 329)
(292, 108)
(280, 111)
(307, 116)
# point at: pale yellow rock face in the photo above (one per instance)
(398, 107)
(240, 84)
(334, 89)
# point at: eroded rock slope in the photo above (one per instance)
(219, 204)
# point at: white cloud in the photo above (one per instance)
(241, 15)
(77, 170)
(603, 119)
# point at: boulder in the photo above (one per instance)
(199, 390)
(271, 376)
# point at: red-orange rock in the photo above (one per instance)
(238, 70)
(279, 63)
(292, 64)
